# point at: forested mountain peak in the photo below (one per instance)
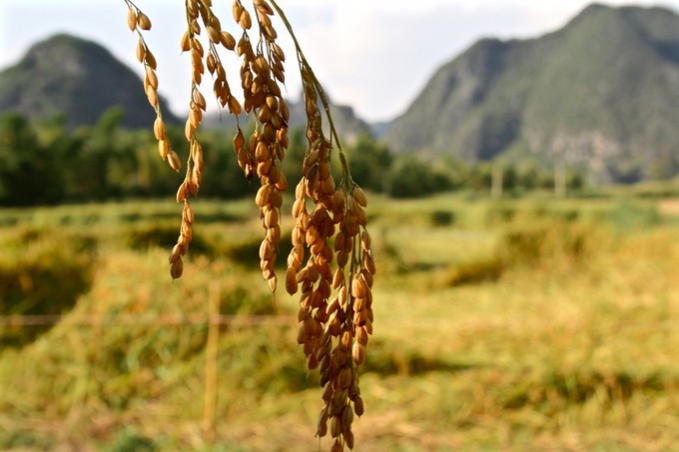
(77, 78)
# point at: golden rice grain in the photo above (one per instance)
(131, 19)
(151, 77)
(215, 23)
(141, 51)
(214, 34)
(150, 59)
(234, 106)
(335, 427)
(358, 354)
(175, 254)
(195, 116)
(228, 41)
(198, 49)
(152, 96)
(159, 129)
(270, 31)
(245, 21)
(177, 268)
(143, 21)
(199, 100)
(349, 439)
(278, 51)
(189, 129)
(194, 26)
(192, 9)
(185, 43)
(182, 192)
(163, 148)
(173, 160)
(212, 65)
(237, 10)
(359, 196)
(359, 407)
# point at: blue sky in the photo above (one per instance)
(375, 55)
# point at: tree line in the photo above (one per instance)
(43, 162)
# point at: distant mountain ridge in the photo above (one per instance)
(601, 93)
(78, 78)
(81, 79)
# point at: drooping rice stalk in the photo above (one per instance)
(331, 263)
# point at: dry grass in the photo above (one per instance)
(560, 353)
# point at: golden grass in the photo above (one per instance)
(560, 353)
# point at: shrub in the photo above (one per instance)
(442, 218)
(163, 235)
(42, 273)
(530, 244)
(475, 271)
(129, 441)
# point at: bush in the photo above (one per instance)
(42, 273)
(411, 177)
(163, 235)
(442, 218)
(530, 244)
(480, 270)
(129, 441)
(246, 252)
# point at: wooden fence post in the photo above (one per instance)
(211, 354)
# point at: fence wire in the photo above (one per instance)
(163, 320)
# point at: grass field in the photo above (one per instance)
(522, 325)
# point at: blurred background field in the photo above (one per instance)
(516, 324)
(524, 212)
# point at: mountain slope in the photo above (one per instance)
(600, 93)
(78, 78)
(349, 125)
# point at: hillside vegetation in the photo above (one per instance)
(76, 78)
(601, 94)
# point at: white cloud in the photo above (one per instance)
(379, 59)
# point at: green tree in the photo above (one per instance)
(412, 177)
(27, 173)
(457, 171)
(480, 176)
(89, 161)
(370, 163)
(222, 177)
